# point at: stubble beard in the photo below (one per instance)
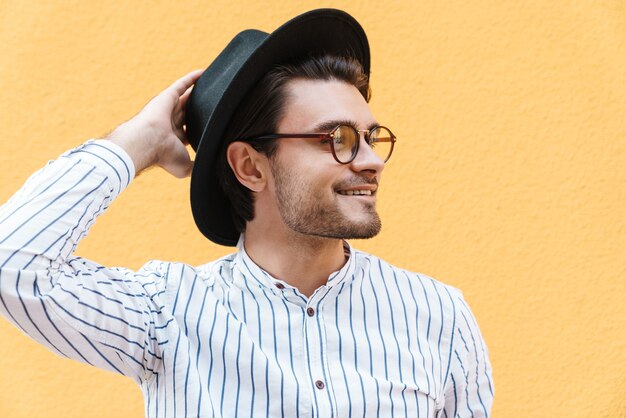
(307, 212)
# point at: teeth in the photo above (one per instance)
(356, 192)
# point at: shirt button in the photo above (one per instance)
(319, 384)
(280, 286)
(311, 312)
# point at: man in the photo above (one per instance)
(296, 323)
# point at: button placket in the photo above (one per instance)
(313, 322)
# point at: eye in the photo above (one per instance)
(338, 137)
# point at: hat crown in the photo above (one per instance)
(213, 83)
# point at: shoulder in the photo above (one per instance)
(419, 288)
(372, 264)
(438, 304)
(168, 274)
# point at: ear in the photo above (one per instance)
(249, 165)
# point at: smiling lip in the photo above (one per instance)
(359, 191)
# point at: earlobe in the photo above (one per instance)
(247, 165)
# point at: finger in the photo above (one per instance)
(183, 99)
(181, 133)
(181, 85)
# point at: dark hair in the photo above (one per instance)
(263, 108)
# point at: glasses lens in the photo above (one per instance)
(381, 141)
(345, 140)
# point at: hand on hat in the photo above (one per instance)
(156, 135)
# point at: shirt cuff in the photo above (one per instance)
(110, 158)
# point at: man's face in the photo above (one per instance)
(315, 195)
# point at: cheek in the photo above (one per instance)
(314, 185)
(322, 182)
(308, 176)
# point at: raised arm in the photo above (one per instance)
(107, 317)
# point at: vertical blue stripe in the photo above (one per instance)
(323, 356)
(382, 343)
(193, 285)
(258, 313)
(156, 401)
(343, 370)
(293, 370)
(465, 374)
(482, 346)
(443, 318)
(224, 373)
(200, 316)
(419, 344)
(430, 315)
(454, 392)
(237, 364)
(174, 382)
(395, 334)
(148, 401)
(476, 363)
(369, 347)
(164, 385)
(408, 336)
(282, 375)
(252, 382)
(452, 333)
(356, 361)
(210, 353)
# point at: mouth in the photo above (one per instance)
(357, 192)
(363, 188)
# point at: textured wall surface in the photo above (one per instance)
(508, 180)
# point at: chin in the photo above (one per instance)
(350, 229)
(365, 233)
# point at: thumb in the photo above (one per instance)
(179, 170)
(178, 162)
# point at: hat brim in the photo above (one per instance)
(319, 31)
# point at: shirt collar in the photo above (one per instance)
(347, 271)
(249, 268)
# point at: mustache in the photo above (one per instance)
(356, 181)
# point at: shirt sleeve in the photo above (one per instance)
(106, 317)
(468, 390)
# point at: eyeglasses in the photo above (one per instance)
(345, 139)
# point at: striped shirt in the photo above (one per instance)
(226, 339)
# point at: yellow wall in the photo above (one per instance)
(508, 180)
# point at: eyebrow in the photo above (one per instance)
(330, 124)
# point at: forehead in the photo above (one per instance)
(311, 103)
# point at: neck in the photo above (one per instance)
(302, 261)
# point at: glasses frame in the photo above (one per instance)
(329, 135)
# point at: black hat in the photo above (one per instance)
(226, 82)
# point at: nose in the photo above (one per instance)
(366, 159)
